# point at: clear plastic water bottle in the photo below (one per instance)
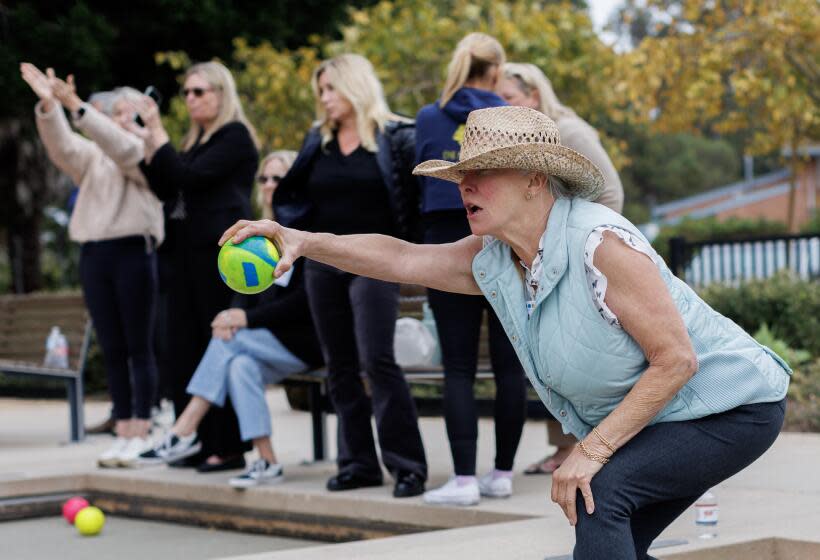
(56, 349)
(706, 516)
(430, 322)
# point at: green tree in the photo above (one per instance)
(665, 167)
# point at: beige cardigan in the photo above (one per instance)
(114, 198)
(581, 137)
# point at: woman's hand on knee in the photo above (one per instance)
(574, 474)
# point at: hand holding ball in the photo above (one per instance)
(247, 267)
(89, 521)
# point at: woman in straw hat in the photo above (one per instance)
(471, 78)
(666, 397)
(525, 85)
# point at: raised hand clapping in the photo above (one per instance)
(40, 83)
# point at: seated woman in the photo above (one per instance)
(666, 397)
(261, 340)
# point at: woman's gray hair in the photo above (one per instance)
(127, 93)
(103, 101)
(558, 188)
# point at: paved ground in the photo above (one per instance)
(777, 496)
(129, 539)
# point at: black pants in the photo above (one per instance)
(458, 320)
(119, 279)
(196, 294)
(355, 320)
(660, 472)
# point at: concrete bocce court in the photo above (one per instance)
(771, 510)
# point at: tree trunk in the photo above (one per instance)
(23, 192)
(794, 165)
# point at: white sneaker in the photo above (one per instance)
(129, 457)
(453, 494)
(498, 487)
(260, 472)
(111, 456)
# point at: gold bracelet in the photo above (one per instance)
(592, 456)
(603, 440)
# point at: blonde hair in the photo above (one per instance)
(354, 78)
(475, 54)
(530, 78)
(286, 157)
(230, 107)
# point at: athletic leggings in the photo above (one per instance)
(458, 320)
(119, 279)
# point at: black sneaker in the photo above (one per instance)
(260, 472)
(171, 449)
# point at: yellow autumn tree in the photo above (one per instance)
(410, 43)
(750, 66)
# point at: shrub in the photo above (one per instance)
(803, 408)
(788, 305)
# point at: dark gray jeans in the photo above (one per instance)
(662, 471)
(355, 320)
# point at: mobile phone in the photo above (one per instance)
(154, 94)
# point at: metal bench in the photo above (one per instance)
(25, 321)
(314, 382)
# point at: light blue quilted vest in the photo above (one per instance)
(581, 366)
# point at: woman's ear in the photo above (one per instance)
(538, 181)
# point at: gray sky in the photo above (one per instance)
(599, 11)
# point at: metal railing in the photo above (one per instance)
(700, 263)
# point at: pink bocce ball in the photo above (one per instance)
(72, 506)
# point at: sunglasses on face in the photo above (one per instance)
(197, 91)
(263, 179)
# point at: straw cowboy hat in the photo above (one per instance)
(517, 138)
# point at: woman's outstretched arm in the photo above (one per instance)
(446, 267)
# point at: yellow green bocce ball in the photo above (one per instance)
(89, 521)
(247, 267)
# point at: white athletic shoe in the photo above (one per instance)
(129, 457)
(260, 472)
(453, 494)
(111, 456)
(498, 487)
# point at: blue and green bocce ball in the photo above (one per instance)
(247, 267)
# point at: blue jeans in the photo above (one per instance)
(660, 472)
(241, 367)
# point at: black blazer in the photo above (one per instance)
(215, 180)
(292, 205)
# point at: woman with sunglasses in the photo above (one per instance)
(353, 175)
(252, 346)
(205, 187)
